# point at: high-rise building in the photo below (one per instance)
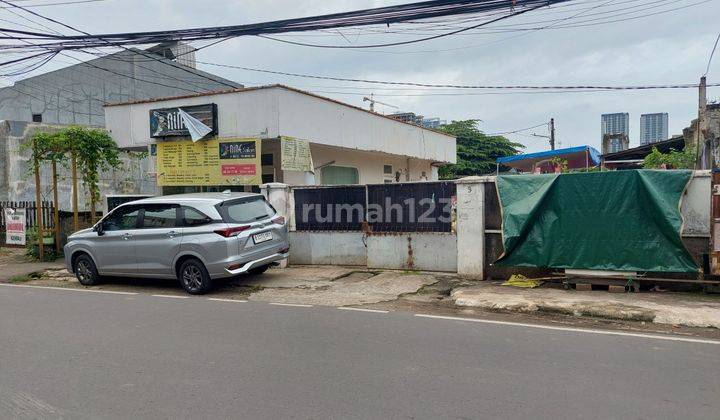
(412, 118)
(653, 127)
(612, 124)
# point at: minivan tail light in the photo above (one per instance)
(232, 231)
(280, 220)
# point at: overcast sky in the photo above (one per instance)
(660, 49)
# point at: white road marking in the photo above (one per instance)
(347, 308)
(110, 292)
(299, 305)
(227, 300)
(171, 296)
(571, 329)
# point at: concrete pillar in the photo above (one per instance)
(279, 196)
(471, 226)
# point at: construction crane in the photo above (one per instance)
(372, 101)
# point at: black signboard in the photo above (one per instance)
(167, 122)
(237, 150)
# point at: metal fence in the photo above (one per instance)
(401, 207)
(31, 220)
(330, 208)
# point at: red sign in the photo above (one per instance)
(244, 169)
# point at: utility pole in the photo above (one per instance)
(551, 137)
(701, 125)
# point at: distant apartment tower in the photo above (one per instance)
(613, 124)
(653, 127)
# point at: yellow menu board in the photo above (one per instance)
(227, 161)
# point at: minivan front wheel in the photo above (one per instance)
(86, 271)
(194, 277)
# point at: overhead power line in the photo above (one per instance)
(162, 61)
(516, 131)
(464, 86)
(707, 69)
(365, 17)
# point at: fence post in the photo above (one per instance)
(471, 226)
(278, 194)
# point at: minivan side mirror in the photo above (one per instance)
(99, 229)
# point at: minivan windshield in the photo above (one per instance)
(246, 210)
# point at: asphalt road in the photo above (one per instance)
(73, 354)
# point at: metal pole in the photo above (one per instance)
(56, 210)
(552, 133)
(73, 163)
(38, 203)
(587, 160)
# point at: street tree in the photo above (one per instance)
(476, 152)
(92, 150)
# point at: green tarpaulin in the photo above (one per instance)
(617, 220)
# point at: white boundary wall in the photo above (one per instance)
(463, 252)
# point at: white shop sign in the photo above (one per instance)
(15, 226)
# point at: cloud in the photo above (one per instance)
(666, 48)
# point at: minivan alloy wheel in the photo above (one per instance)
(192, 277)
(83, 271)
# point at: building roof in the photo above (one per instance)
(273, 86)
(665, 146)
(574, 155)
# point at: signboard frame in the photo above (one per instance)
(228, 161)
(172, 117)
(17, 218)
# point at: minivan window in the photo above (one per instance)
(159, 216)
(246, 210)
(193, 217)
(123, 218)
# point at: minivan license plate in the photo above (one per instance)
(262, 237)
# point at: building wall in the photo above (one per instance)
(332, 123)
(76, 94)
(276, 111)
(251, 113)
(370, 166)
(477, 244)
(17, 182)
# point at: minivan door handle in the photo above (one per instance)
(171, 234)
(126, 236)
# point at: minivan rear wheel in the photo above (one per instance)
(86, 271)
(194, 277)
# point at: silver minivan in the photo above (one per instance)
(192, 237)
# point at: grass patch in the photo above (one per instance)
(23, 278)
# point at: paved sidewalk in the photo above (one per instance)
(688, 309)
(355, 286)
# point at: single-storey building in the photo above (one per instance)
(580, 157)
(303, 139)
(634, 158)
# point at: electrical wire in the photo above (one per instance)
(462, 86)
(707, 69)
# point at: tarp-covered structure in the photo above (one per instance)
(618, 220)
(576, 157)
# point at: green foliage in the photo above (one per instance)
(684, 159)
(32, 249)
(95, 151)
(476, 152)
(562, 163)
